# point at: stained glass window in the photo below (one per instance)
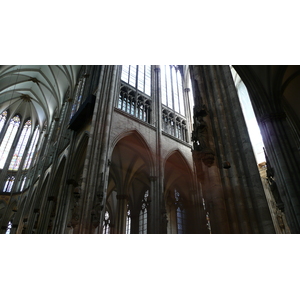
(8, 139)
(23, 183)
(31, 149)
(143, 214)
(9, 184)
(180, 213)
(171, 88)
(2, 119)
(106, 223)
(128, 221)
(78, 96)
(17, 157)
(8, 228)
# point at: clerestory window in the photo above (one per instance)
(9, 184)
(31, 149)
(78, 95)
(20, 148)
(135, 92)
(8, 139)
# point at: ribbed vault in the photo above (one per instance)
(35, 91)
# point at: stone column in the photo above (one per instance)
(285, 161)
(229, 175)
(120, 224)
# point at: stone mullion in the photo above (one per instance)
(186, 99)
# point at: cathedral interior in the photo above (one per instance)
(148, 149)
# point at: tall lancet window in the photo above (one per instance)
(31, 149)
(8, 139)
(180, 213)
(172, 89)
(106, 223)
(135, 93)
(143, 214)
(23, 140)
(2, 119)
(138, 76)
(128, 221)
(9, 184)
(78, 95)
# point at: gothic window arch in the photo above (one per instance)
(31, 149)
(8, 139)
(20, 148)
(106, 223)
(143, 215)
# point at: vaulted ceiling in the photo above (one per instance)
(35, 91)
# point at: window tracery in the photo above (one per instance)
(20, 148)
(8, 139)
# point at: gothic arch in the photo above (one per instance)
(178, 184)
(130, 171)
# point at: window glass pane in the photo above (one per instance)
(141, 78)
(31, 149)
(148, 80)
(175, 89)
(125, 73)
(132, 75)
(163, 85)
(19, 151)
(8, 139)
